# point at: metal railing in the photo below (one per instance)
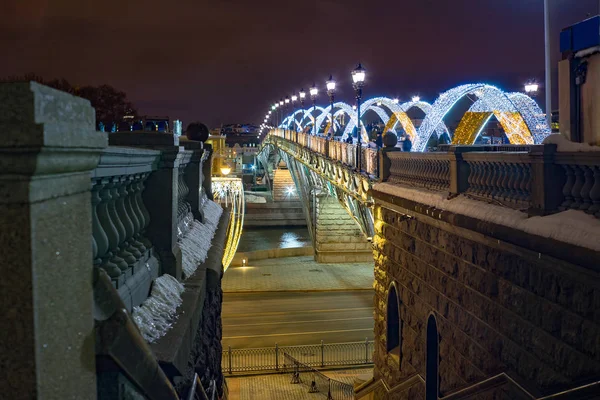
(314, 355)
(197, 391)
(316, 381)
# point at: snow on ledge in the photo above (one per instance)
(565, 145)
(155, 316)
(198, 240)
(571, 226)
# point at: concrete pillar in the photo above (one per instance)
(48, 148)
(338, 238)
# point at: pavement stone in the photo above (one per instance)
(297, 274)
(278, 386)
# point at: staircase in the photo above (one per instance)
(284, 188)
(283, 213)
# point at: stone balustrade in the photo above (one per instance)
(535, 178)
(539, 180)
(119, 215)
(428, 170)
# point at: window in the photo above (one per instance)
(394, 334)
(432, 360)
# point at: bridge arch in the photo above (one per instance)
(342, 108)
(490, 99)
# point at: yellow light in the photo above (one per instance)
(225, 170)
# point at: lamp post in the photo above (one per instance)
(294, 98)
(302, 95)
(548, 63)
(287, 106)
(281, 112)
(276, 106)
(358, 81)
(331, 92)
(313, 95)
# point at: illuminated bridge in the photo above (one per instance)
(485, 257)
(519, 115)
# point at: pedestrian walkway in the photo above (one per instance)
(278, 386)
(297, 274)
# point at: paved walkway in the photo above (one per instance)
(278, 386)
(297, 274)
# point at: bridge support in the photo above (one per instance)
(338, 239)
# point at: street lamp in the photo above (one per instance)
(416, 99)
(302, 95)
(287, 103)
(331, 92)
(396, 100)
(313, 95)
(280, 112)
(531, 88)
(358, 80)
(294, 98)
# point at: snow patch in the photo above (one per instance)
(155, 316)
(198, 239)
(565, 145)
(571, 226)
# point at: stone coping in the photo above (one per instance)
(173, 350)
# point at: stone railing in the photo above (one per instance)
(539, 180)
(120, 219)
(428, 170)
(334, 149)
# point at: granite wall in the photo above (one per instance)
(500, 308)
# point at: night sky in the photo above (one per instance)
(224, 61)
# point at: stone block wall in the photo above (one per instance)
(499, 308)
(338, 238)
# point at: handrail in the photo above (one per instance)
(336, 390)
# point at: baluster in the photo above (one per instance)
(525, 186)
(595, 192)
(587, 186)
(134, 213)
(483, 179)
(112, 209)
(124, 217)
(145, 216)
(472, 179)
(493, 177)
(100, 240)
(510, 179)
(106, 221)
(576, 191)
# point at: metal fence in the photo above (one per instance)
(316, 381)
(314, 355)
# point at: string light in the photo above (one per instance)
(520, 116)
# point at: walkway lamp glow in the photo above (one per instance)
(287, 103)
(330, 84)
(359, 75)
(396, 100)
(313, 95)
(416, 99)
